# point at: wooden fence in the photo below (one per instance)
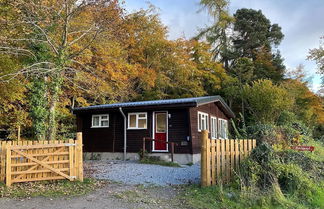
(25, 161)
(220, 158)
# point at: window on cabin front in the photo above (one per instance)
(223, 128)
(202, 121)
(137, 120)
(213, 127)
(100, 121)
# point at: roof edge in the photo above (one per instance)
(224, 104)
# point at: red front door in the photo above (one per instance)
(161, 130)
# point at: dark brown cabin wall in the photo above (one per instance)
(79, 123)
(119, 133)
(97, 139)
(179, 130)
(212, 109)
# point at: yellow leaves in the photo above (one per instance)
(308, 106)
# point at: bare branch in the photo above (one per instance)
(85, 47)
(36, 68)
(86, 32)
(16, 49)
(49, 41)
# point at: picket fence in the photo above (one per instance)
(25, 161)
(220, 158)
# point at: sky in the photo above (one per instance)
(302, 22)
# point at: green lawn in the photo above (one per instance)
(228, 197)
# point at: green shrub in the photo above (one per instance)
(287, 174)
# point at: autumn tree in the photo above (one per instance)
(167, 63)
(308, 106)
(57, 26)
(211, 74)
(220, 33)
(265, 100)
(13, 108)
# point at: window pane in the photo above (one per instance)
(105, 123)
(132, 121)
(206, 121)
(104, 117)
(142, 123)
(203, 124)
(95, 121)
(225, 129)
(199, 121)
(213, 127)
(142, 115)
(161, 123)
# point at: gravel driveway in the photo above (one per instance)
(132, 172)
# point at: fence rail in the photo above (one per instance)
(148, 139)
(220, 158)
(25, 161)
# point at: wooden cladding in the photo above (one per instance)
(25, 161)
(221, 157)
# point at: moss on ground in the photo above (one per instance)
(50, 188)
(155, 161)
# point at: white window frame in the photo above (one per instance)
(204, 117)
(136, 122)
(222, 122)
(100, 120)
(213, 127)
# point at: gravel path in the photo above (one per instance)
(131, 172)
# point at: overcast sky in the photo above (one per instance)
(302, 23)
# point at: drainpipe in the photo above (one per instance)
(125, 129)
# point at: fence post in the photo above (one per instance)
(143, 149)
(172, 150)
(78, 156)
(8, 165)
(71, 158)
(204, 161)
(3, 161)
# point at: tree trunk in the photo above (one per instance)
(52, 119)
(52, 122)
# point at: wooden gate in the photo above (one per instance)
(221, 157)
(27, 161)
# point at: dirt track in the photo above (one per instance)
(114, 196)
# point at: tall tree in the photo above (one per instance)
(254, 33)
(219, 34)
(255, 37)
(57, 25)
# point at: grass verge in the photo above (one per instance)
(227, 197)
(50, 188)
(156, 161)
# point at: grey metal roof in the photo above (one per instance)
(194, 101)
